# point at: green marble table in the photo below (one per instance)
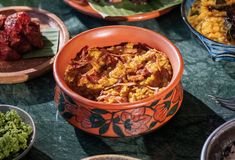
(181, 139)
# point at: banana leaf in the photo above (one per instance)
(127, 8)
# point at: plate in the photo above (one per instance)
(25, 69)
(85, 8)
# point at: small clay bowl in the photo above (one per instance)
(126, 119)
(218, 141)
(28, 120)
(110, 157)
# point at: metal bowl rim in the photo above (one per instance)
(217, 132)
(33, 136)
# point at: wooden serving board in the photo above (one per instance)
(24, 69)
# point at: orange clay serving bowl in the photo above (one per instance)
(122, 119)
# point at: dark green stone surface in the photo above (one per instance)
(181, 139)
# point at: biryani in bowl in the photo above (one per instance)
(121, 73)
(215, 19)
(115, 81)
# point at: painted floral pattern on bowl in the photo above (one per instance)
(120, 123)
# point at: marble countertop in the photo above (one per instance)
(181, 139)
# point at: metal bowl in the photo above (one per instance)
(218, 141)
(25, 118)
(217, 51)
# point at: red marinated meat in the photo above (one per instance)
(13, 27)
(22, 46)
(14, 39)
(2, 21)
(33, 34)
(16, 22)
(18, 36)
(8, 54)
(3, 37)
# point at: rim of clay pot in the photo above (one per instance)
(111, 156)
(174, 82)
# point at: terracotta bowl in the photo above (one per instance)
(110, 157)
(126, 119)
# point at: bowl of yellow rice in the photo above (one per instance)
(213, 23)
(115, 81)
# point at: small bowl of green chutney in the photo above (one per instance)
(17, 132)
